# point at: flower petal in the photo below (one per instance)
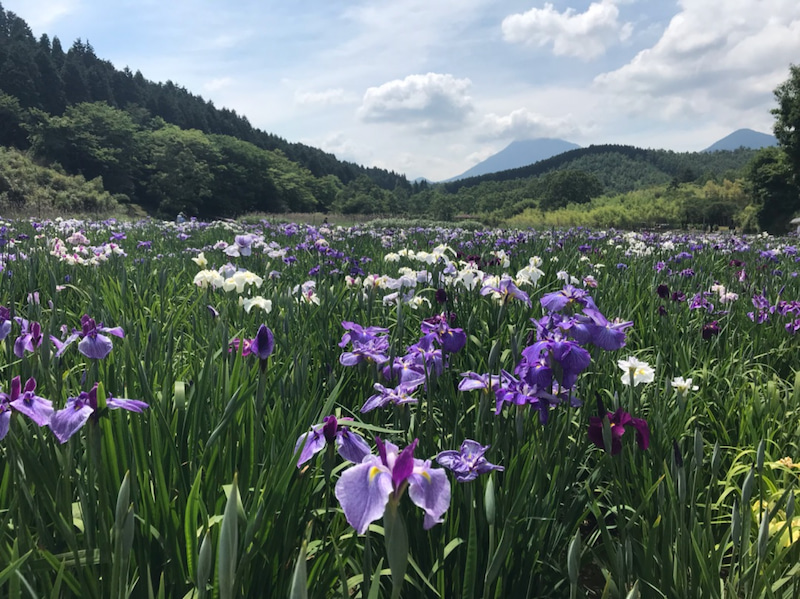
(430, 490)
(69, 421)
(363, 492)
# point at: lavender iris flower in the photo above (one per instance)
(93, 343)
(468, 462)
(373, 349)
(5, 322)
(25, 401)
(29, 339)
(351, 446)
(472, 381)
(364, 490)
(385, 396)
(69, 420)
(506, 290)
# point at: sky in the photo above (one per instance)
(429, 88)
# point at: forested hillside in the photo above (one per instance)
(115, 139)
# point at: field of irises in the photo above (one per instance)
(282, 410)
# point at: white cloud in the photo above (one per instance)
(343, 147)
(712, 61)
(325, 97)
(218, 84)
(431, 102)
(584, 35)
(41, 14)
(523, 124)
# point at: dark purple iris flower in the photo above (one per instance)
(710, 329)
(351, 446)
(618, 421)
(25, 401)
(93, 343)
(29, 339)
(663, 291)
(263, 344)
(468, 462)
(69, 420)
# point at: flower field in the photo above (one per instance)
(280, 410)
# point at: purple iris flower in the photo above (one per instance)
(385, 396)
(69, 420)
(351, 446)
(451, 339)
(93, 343)
(568, 297)
(355, 332)
(29, 339)
(263, 343)
(618, 421)
(373, 349)
(506, 290)
(25, 401)
(407, 370)
(468, 462)
(472, 381)
(365, 489)
(5, 322)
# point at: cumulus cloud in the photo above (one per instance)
(432, 102)
(523, 124)
(584, 35)
(710, 60)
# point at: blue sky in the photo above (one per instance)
(431, 87)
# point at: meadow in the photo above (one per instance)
(272, 409)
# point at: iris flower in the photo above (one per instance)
(468, 462)
(69, 420)
(351, 446)
(618, 421)
(25, 401)
(636, 370)
(30, 337)
(93, 343)
(5, 322)
(364, 490)
(384, 396)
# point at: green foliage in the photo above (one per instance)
(556, 190)
(774, 190)
(787, 117)
(27, 188)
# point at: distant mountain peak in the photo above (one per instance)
(743, 138)
(517, 154)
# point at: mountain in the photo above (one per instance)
(743, 138)
(518, 154)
